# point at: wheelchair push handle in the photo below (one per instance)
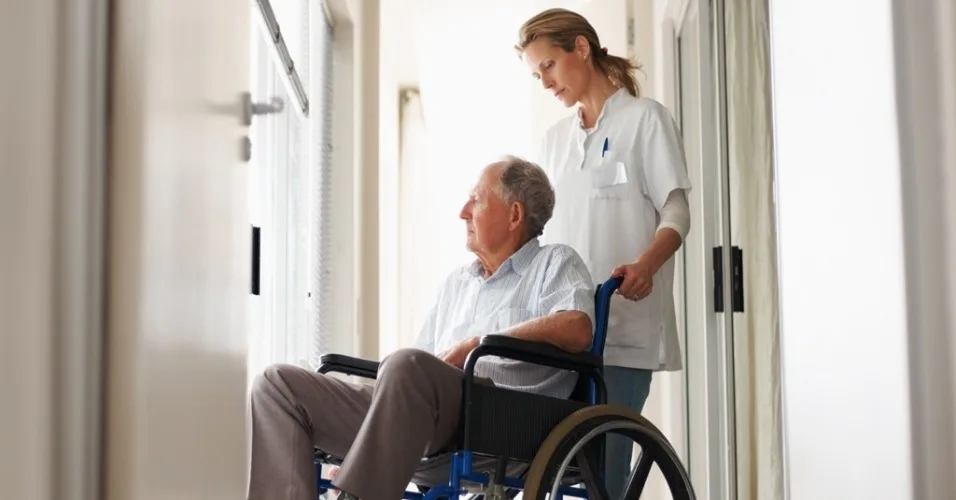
(609, 286)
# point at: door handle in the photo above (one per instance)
(250, 109)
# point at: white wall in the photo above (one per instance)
(355, 166)
(27, 189)
(842, 290)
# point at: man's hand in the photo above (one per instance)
(333, 471)
(638, 280)
(457, 354)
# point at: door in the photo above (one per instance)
(707, 329)
(179, 251)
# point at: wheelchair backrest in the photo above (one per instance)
(602, 308)
(586, 389)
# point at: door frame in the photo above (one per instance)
(925, 77)
(80, 247)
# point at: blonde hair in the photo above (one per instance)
(562, 27)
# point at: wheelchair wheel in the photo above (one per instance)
(573, 442)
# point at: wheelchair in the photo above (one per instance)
(559, 444)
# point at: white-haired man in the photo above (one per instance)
(515, 286)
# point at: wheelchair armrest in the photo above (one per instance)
(348, 365)
(539, 353)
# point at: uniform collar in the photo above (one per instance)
(611, 102)
(518, 261)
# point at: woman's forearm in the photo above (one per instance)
(675, 223)
(666, 243)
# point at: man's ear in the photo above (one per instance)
(517, 216)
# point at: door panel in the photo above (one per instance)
(179, 270)
(709, 405)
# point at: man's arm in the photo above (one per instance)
(569, 330)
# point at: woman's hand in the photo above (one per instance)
(458, 353)
(638, 280)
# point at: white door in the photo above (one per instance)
(179, 251)
(707, 332)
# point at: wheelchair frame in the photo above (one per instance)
(590, 390)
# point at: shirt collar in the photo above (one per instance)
(518, 261)
(610, 103)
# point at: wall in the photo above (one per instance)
(925, 49)
(842, 289)
(27, 188)
(355, 166)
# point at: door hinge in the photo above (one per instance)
(736, 282)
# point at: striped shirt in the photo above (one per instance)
(534, 282)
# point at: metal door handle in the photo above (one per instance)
(250, 109)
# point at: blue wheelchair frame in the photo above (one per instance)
(590, 390)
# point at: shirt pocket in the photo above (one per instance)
(611, 179)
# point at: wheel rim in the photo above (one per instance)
(566, 441)
(589, 436)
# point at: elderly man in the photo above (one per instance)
(515, 287)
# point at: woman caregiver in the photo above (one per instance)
(619, 174)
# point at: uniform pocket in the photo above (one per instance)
(610, 180)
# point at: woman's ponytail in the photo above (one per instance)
(620, 70)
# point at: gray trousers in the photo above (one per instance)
(382, 431)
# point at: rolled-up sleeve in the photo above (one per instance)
(567, 284)
(664, 164)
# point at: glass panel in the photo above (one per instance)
(694, 305)
(279, 205)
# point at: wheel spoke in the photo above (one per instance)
(638, 477)
(592, 480)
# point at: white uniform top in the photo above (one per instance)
(607, 208)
